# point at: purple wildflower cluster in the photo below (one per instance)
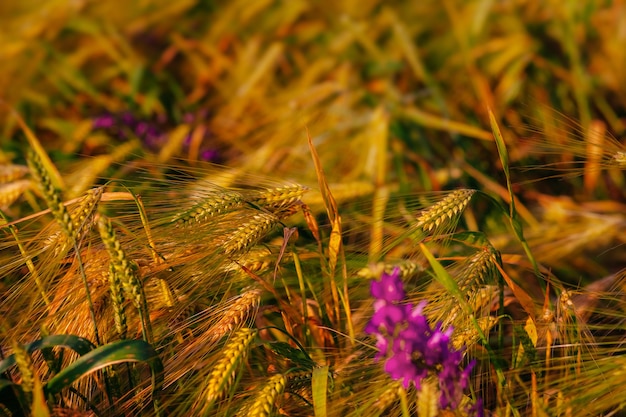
(415, 349)
(150, 132)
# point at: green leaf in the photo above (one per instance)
(297, 356)
(107, 355)
(445, 278)
(78, 344)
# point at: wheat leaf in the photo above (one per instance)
(107, 355)
(320, 389)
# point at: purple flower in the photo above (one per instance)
(414, 349)
(106, 121)
(389, 288)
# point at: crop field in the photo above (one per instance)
(313, 208)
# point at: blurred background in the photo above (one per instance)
(388, 90)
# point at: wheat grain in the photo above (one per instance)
(444, 211)
(225, 369)
(264, 402)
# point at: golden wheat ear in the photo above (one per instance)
(265, 398)
(225, 369)
(444, 212)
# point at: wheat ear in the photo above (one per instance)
(10, 192)
(10, 172)
(81, 221)
(408, 269)
(123, 270)
(226, 367)
(279, 197)
(388, 397)
(213, 205)
(619, 158)
(117, 301)
(240, 310)
(123, 267)
(249, 233)
(264, 402)
(444, 211)
(25, 365)
(83, 215)
(428, 399)
(478, 270)
(51, 194)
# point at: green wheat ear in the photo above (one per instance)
(50, 192)
(124, 271)
(214, 204)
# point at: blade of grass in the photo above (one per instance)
(319, 385)
(122, 351)
(516, 224)
(335, 246)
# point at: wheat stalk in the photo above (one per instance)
(444, 211)
(264, 402)
(225, 369)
